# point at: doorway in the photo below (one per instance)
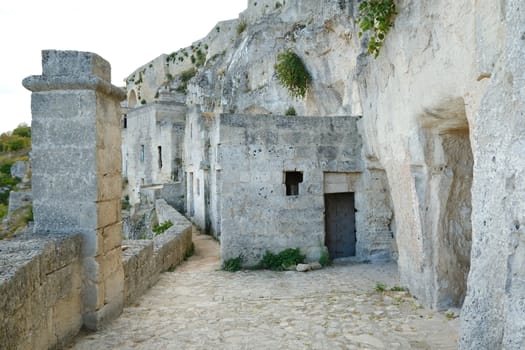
(340, 234)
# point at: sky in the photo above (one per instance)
(127, 33)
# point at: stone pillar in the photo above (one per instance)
(76, 164)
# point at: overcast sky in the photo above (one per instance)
(126, 33)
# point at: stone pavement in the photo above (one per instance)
(200, 307)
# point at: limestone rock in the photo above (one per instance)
(303, 267)
(315, 265)
(20, 169)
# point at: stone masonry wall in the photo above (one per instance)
(144, 260)
(40, 285)
(253, 154)
(158, 124)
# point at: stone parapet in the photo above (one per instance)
(144, 260)
(40, 285)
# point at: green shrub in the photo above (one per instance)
(190, 252)
(22, 130)
(185, 77)
(290, 111)
(15, 143)
(233, 264)
(380, 287)
(162, 227)
(3, 210)
(398, 289)
(282, 260)
(18, 221)
(201, 58)
(324, 260)
(376, 16)
(292, 73)
(241, 27)
(5, 166)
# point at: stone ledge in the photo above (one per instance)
(39, 83)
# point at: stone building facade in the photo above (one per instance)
(152, 150)
(283, 182)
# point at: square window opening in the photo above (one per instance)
(292, 179)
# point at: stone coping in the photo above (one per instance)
(39, 83)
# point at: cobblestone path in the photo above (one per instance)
(200, 307)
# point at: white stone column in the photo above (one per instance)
(76, 165)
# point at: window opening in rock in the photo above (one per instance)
(159, 148)
(142, 153)
(292, 179)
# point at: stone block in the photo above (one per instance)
(67, 318)
(61, 283)
(303, 267)
(95, 320)
(47, 106)
(42, 330)
(76, 163)
(55, 134)
(336, 188)
(112, 236)
(108, 213)
(74, 63)
(110, 263)
(110, 186)
(114, 287)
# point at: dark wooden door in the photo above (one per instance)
(340, 224)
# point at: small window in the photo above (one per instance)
(160, 156)
(142, 153)
(125, 121)
(292, 179)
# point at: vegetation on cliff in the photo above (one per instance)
(376, 16)
(292, 73)
(14, 146)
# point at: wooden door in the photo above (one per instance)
(340, 235)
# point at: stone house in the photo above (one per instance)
(152, 137)
(265, 182)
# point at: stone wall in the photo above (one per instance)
(256, 214)
(40, 285)
(144, 260)
(197, 166)
(40, 280)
